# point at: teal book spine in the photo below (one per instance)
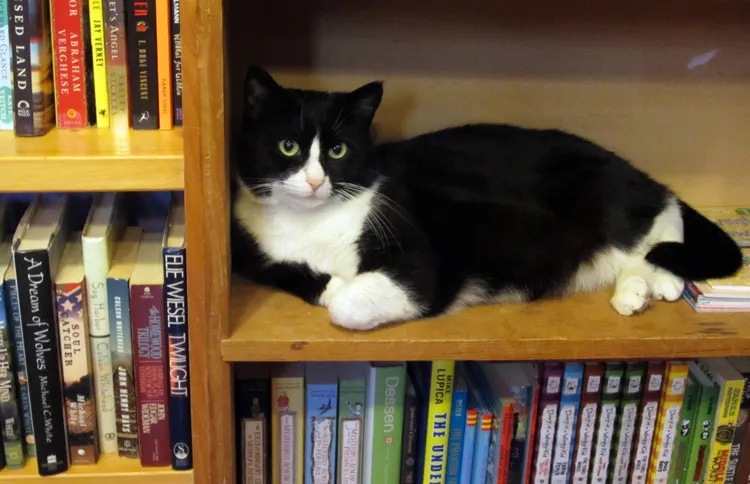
(12, 432)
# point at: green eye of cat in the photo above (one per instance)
(338, 151)
(288, 147)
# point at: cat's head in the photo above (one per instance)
(304, 148)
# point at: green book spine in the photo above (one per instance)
(384, 432)
(700, 444)
(351, 428)
(681, 453)
(627, 417)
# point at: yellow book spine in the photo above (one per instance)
(667, 422)
(726, 420)
(99, 55)
(438, 422)
(287, 430)
(164, 63)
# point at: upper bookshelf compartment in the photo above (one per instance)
(92, 160)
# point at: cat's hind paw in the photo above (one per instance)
(370, 300)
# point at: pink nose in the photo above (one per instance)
(314, 184)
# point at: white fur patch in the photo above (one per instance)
(370, 300)
(475, 292)
(296, 188)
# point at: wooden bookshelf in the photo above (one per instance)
(92, 160)
(110, 467)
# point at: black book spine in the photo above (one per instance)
(176, 63)
(39, 320)
(144, 99)
(409, 441)
(253, 407)
(23, 91)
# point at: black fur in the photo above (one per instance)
(519, 209)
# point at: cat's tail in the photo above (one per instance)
(706, 253)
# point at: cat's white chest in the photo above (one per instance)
(326, 238)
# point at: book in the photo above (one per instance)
(103, 227)
(99, 60)
(646, 426)
(736, 471)
(670, 407)
(142, 67)
(116, 63)
(521, 384)
(11, 432)
(470, 432)
(71, 58)
(410, 435)
(10, 290)
(686, 424)
(732, 220)
(176, 305)
(176, 63)
(532, 375)
(78, 377)
(252, 392)
(627, 417)
(457, 428)
(605, 421)
(6, 71)
(386, 387)
(321, 409)
(591, 394)
(121, 341)
(150, 359)
(38, 244)
(700, 444)
(351, 422)
(287, 424)
(33, 95)
(567, 420)
(434, 384)
(549, 402)
(164, 62)
(484, 429)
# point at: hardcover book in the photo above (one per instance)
(666, 424)
(99, 55)
(38, 244)
(253, 412)
(142, 68)
(351, 422)
(605, 422)
(549, 402)
(590, 398)
(567, 420)
(532, 375)
(6, 71)
(517, 378)
(121, 341)
(485, 423)
(652, 391)
(176, 63)
(321, 402)
(78, 378)
(700, 444)
(117, 64)
(288, 423)
(627, 418)
(457, 428)
(470, 434)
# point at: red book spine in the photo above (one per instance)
(150, 366)
(507, 435)
(69, 55)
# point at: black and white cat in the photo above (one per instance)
(463, 216)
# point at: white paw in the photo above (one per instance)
(370, 300)
(332, 288)
(631, 296)
(667, 286)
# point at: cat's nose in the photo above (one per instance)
(315, 183)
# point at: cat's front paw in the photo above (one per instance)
(370, 300)
(667, 286)
(333, 286)
(631, 296)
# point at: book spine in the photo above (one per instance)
(678, 466)
(482, 448)
(164, 62)
(99, 58)
(467, 455)
(438, 420)
(627, 417)
(726, 419)
(117, 65)
(6, 70)
(740, 433)
(320, 427)
(548, 405)
(647, 421)
(150, 362)
(176, 63)
(19, 357)
(69, 49)
(457, 429)
(567, 421)
(390, 390)
(252, 401)
(38, 317)
(11, 430)
(503, 465)
(121, 344)
(409, 439)
(351, 431)
(519, 433)
(33, 96)
(605, 426)
(743, 473)
(590, 398)
(666, 425)
(142, 68)
(533, 417)
(288, 399)
(77, 373)
(175, 302)
(700, 444)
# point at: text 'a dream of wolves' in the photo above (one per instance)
(474, 214)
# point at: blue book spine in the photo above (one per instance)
(482, 446)
(19, 356)
(457, 429)
(467, 455)
(566, 423)
(320, 433)
(176, 306)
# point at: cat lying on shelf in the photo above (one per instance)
(463, 216)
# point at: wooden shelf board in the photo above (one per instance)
(269, 325)
(110, 467)
(92, 160)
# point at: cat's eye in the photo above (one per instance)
(338, 151)
(288, 147)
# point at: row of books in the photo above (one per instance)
(729, 294)
(80, 63)
(472, 422)
(93, 336)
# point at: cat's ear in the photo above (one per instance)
(260, 88)
(364, 102)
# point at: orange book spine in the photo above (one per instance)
(164, 62)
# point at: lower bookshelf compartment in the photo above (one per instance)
(111, 467)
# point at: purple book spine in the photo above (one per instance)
(549, 401)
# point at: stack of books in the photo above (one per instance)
(731, 294)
